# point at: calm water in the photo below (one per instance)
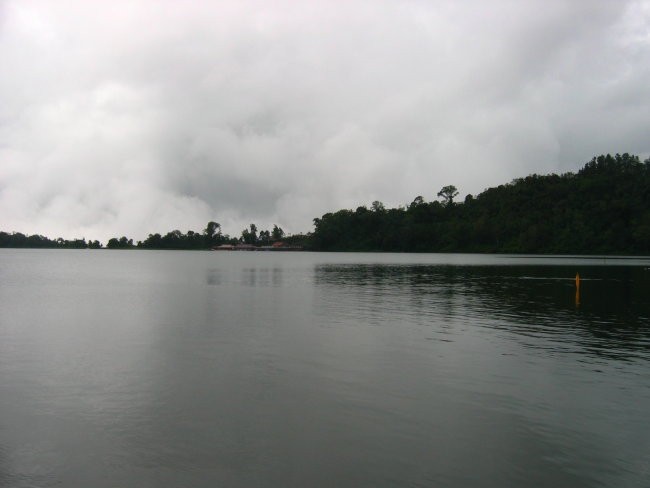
(193, 369)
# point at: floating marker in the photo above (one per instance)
(577, 289)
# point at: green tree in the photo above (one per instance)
(448, 193)
(121, 243)
(212, 234)
(377, 206)
(277, 233)
(249, 236)
(211, 229)
(419, 200)
(265, 238)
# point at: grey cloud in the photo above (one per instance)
(139, 117)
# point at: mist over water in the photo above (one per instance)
(144, 368)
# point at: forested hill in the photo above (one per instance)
(604, 208)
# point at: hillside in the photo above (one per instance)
(603, 208)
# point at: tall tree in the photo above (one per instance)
(211, 229)
(448, 193)
(277, 233)
(249, 236)
(265, 238)
(212, 233)
(377, 206)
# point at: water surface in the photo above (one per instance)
(168, 369)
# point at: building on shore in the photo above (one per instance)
(276, 246)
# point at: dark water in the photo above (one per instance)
(192, 369)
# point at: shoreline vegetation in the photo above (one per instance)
(604, 208)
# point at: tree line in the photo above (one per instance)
(210, 237)
(17, 239)
(604, 208)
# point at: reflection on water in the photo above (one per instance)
(251, 277)
(608, 316)
(174, 369)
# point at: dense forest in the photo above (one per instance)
(604, 208)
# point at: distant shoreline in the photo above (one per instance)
(599, 211)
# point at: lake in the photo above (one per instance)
(235, 369)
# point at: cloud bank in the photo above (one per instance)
(140, 117)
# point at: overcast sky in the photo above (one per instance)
(134, 117)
